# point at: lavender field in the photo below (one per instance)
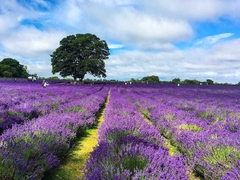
(150, 131)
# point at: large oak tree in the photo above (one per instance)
(80, 54)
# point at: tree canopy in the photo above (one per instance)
(151, 79)
(176, 80)
(209, 81)
(80, 54)
(12, 68)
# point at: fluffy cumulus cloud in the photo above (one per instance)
(166, 38)
(221, 62)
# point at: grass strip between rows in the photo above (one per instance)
(72, 167)
(172, 149)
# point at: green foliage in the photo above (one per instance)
(7, 74)
(151, 79)
(134, 162)
(225, 155)
(80, 54)
(116, 135)
(189, 81)
(135, 80)
(34, 154)
(146, 112)
(209, 81)
(191, 127)
(205, 114)
(53, 78)
(75, 109)
(15, 113)
(12, 68)
(169, 117)
(176, 80)
(172, 149)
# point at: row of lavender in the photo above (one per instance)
(29, 149)
(21, 102)
(131, 148)
(202, 121)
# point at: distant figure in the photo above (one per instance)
(178, 84)
(44, 84)
(126, 83)
(130, 82)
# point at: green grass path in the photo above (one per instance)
(72, 167)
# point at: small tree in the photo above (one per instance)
(153, 79)
(190, 81)
(80, 54)
(209, 81)
(176, 80)
(53, 78)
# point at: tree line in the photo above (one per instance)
(155, 79)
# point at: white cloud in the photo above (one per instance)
(227, 51)
(209, 40)
(200, 10)
(147, 31)
(115, 46)
(194, 63)
(125, 24)
(30, 42)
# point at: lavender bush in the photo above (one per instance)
(27, 151)
(130, 148)
(38, 126)
(203, 122)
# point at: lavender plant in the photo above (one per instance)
(195, 119)
(27, 151)
(130, 148)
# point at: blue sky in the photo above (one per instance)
(197, 39)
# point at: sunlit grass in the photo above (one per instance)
(224, 155)
(75, 109)
(172, 149)
(169, 117)
(72, 166)
(190, 127)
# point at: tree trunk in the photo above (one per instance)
(81, 79)
(75, 80)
